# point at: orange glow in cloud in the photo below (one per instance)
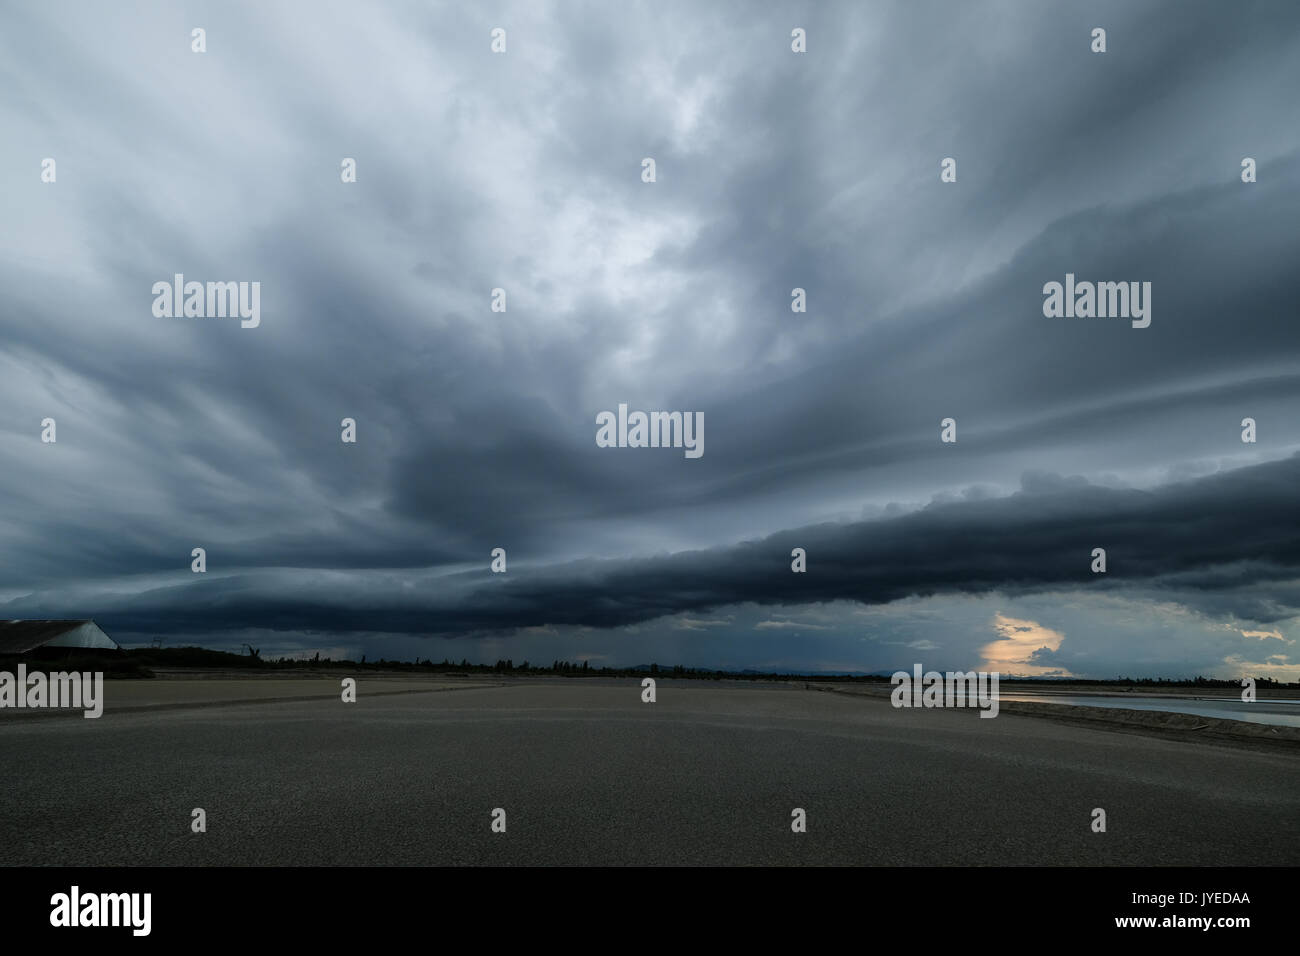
(1012, 651)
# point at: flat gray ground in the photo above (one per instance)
(587, 773)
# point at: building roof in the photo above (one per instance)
(19, 637)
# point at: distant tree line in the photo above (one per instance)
(204, 657)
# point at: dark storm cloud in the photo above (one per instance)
(476, 429)
(1016, 380)
(1211, 536)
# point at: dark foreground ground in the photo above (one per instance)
(587, 773)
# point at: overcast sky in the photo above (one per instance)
(476, 429)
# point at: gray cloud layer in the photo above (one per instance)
(1209, 536)
(476, 429)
